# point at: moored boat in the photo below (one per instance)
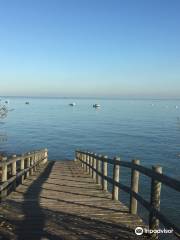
(72, 104)
(96, 105)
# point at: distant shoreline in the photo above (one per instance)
(100, 98)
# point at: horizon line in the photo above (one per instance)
(93, 97)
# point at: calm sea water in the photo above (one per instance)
(145, 129)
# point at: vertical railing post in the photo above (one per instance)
(4, 169)
(82, 158)
(116, 170)
(45, 156)
(33, 161)
(41, 159)
(31, 164)
(78, 156)
(90, 162)
(99, 170)
(94, 166)
(104, 172)
(155, 202)
(14, 166)
(87, 161)
(21, 169)
(88, 157)
(134, 187)
(4, 176)
(36, 158)
(89, 169)
(28, 165)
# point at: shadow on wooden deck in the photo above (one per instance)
(32, 220)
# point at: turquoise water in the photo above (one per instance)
(145, 129)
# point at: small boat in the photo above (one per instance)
(26, 103)
(96, 105)
(72, 104)
(7, 102)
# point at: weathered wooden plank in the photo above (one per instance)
(63, 202)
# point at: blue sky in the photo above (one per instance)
(113, 48)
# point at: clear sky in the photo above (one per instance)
(119, 48)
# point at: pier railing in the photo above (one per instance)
(15, 169)
(97, 167)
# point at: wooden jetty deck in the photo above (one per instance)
(69, 200)
(63, 202)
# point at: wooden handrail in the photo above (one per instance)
(17, 168)
(166, 180)
(157, 178)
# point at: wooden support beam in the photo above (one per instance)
(134, 187)
(155, 201)
(116, 170)
(99, 170)
(22, 168)
(104, 172)
(91, 165)
(14, 171)
(28, 165)
(94, 166)
(88, 160)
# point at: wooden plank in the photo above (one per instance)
(63, 202)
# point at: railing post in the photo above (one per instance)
(14, 172)
(37, 157)
(82, 158)
(104, 172)
(45, 156)
(14, 166)
(134, 187)
(85, 161)
(98, 167)
(82, 163)
(155, 202)
(4, 176)
(94, 166)
(90, 162)
(28, 165)
(4, 169)
(31, 164)
(116, 170)
(22, 168)
(34, 161)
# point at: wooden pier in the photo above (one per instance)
(68, 200)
